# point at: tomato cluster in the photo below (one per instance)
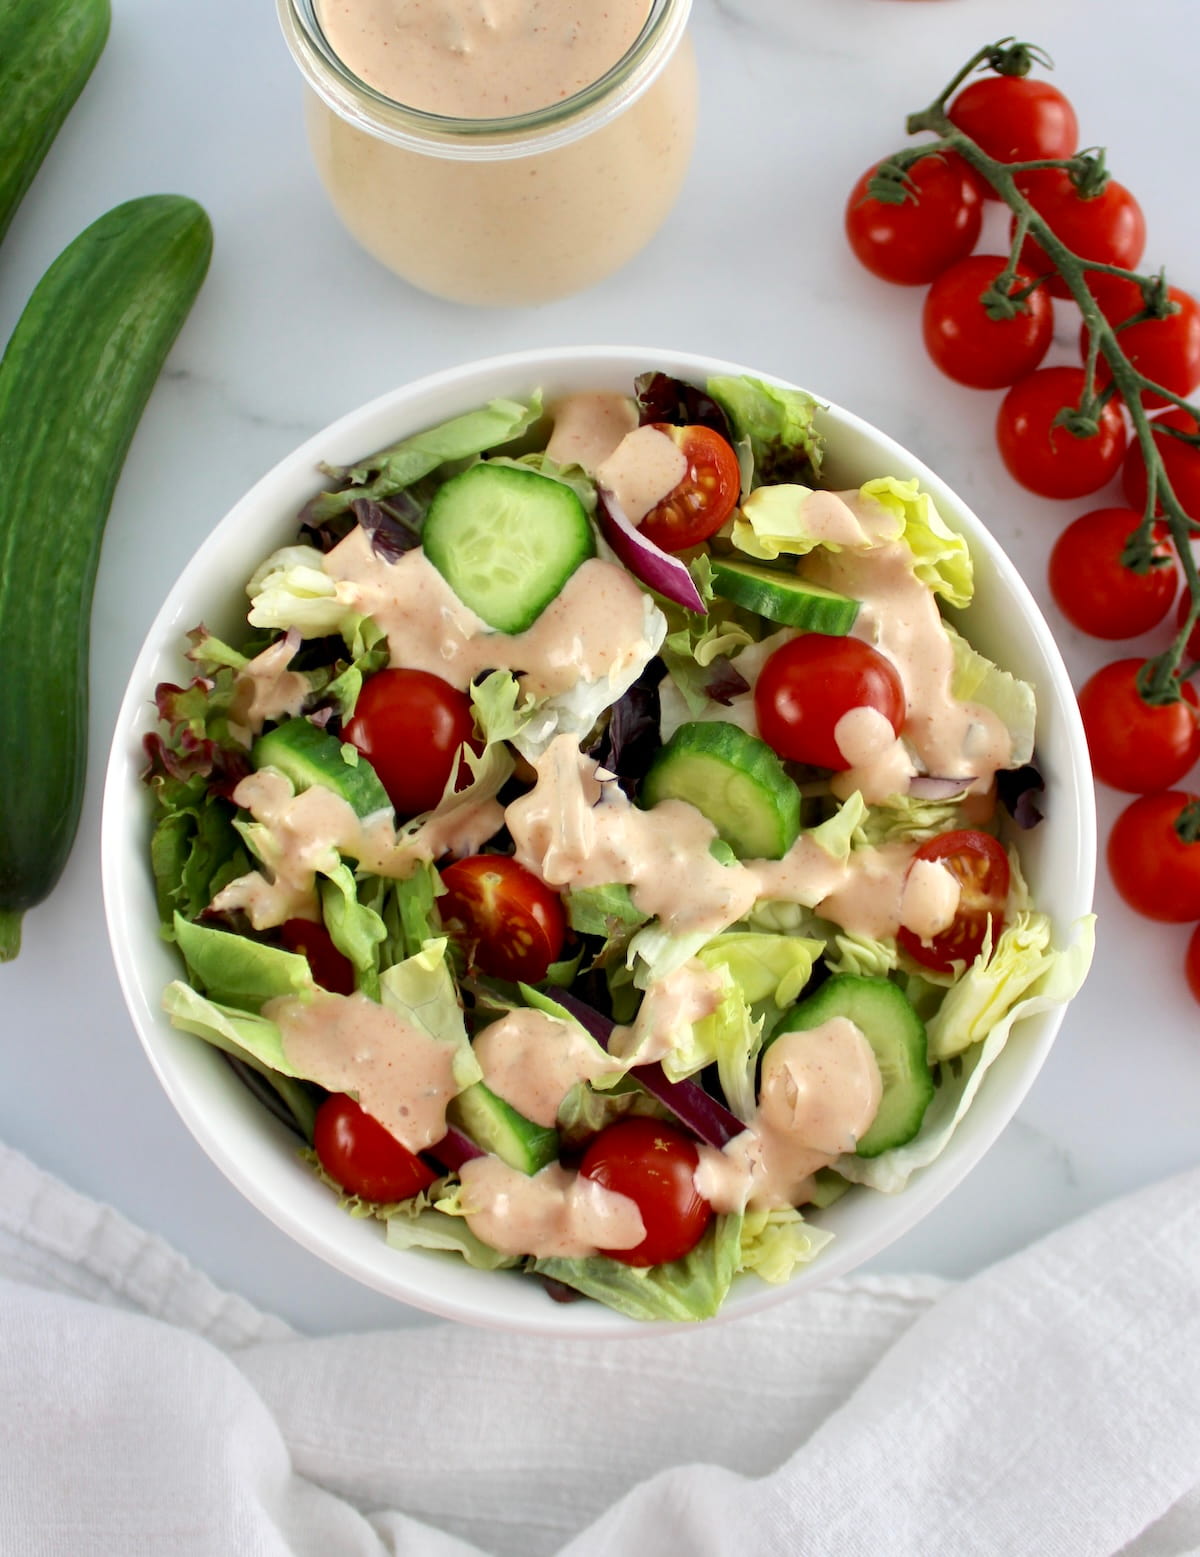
(930, 239)
(1143, 749)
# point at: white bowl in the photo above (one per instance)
(257, 1153)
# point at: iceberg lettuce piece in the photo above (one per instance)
(432, 1227)
(731, 1038)
(995, 1002)
(860, 954)
(909, 819)
(940, 556)
(236, 971)
(688, 1289)
(292, 589)
(764, 966)
(977, 680)
(794, 520)
(774, 1243)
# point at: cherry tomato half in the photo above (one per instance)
(704, 499)
(1180, 460)
(980, 866)
(1093, 588)
(1152, 867)
(1050, 460)
(409, 725)
(363, 1157)
(969, 347)
(1135, 745)
(654, 1165)
(913, 242)
(1016, 119)
(1108, 227)
(1164, 350)
(511, 922)
(810, 682)
(331, 969)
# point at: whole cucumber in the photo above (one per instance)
(48, 49)
(74, 380)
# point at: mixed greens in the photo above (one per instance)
(376, 897)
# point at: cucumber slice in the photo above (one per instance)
(506, 541)
(884, 1015)
(733, 779)
(498, 1128)
(308, 756)
(782, 597)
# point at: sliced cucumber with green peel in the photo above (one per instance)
(506, 541)
(783, 597)
(733, 779)
(885, 1017)
(308, 756)
(497, 1127)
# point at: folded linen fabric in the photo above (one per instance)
(1049, 1405)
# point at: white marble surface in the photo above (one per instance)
(294, 326)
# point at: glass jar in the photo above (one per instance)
(514, 210)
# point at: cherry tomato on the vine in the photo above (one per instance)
(331, 969)
(1191, 963)
(512, 923)
(1164, 350)
(704, 499)
(654, 1165)
(980, 866)
(1047, 459)
(1181, 462)
(966, 344)
(1135, 745)
(1108, 227)
(1016, 119)
(810, 682)
(409, 725)
(1191, 649)
(1153, 867)
(1094, 589)
(913, 242)
(363, 1157)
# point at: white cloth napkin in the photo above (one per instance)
(1050, 1405)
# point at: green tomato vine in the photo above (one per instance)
(891, 184)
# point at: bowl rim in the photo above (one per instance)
(160, 1041)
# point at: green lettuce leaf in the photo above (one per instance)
(940, 556)
(401, 464)
(860, 954)
(236, 971)
(775, 522)
(764, 966)
(602, 910)
(977, 680)
(355, 928)
(1059, 976)
(584, 1112)
(247, 1036)
(368, 650)
(907, 819)
(692, 1288)
(422, 990)
(431, 1228)
(730, 1038)
(501, 709)
(291, 588)
(195, 849)
(774, 1243)
(776, 423)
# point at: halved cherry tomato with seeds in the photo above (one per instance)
(509, 922)
(704, 499)
(363, 1157)
(980, 866)
(654, 1165)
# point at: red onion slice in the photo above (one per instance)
(646, 561)
(453, 1150)
(687, 1100)
(927, 787)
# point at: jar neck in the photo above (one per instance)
(478, 140)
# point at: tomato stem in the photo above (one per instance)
(1089, 174)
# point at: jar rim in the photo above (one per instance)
(490, 139)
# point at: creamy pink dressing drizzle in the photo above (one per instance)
(588, 427)
(594, 630)
(347, 1043)
(668, 1009)
(556, 1213)
(820, 1090)
(265, 689)
(644, 468)
(480, 59)
(532, 1060)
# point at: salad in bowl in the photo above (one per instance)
(600, 853)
